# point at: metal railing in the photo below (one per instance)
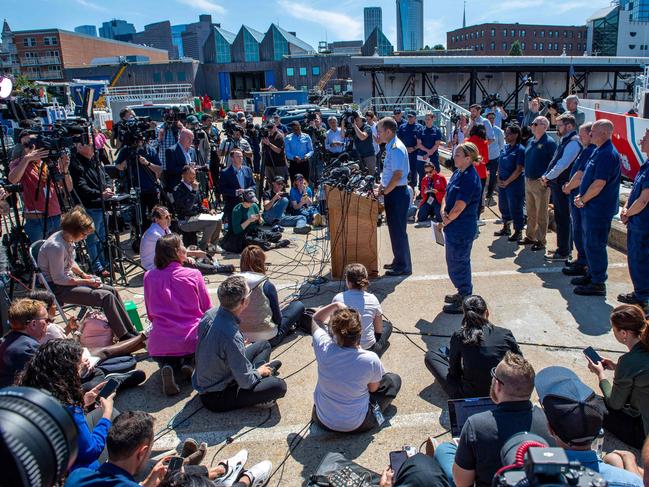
(49, 60)
(29, 61)
(151, 93)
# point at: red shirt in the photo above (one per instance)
(438, 183)
(483, 148)
(33, 202)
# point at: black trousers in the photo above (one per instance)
(629, 429)
(561, 204)
(389, 387)
(301, 167)
(381, 344)
(438, 365)
(291, 316)
(420, 471)
(229, 202)
(492, 167)
(175, 362)
(233, 397)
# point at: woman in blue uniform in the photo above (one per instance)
(511, 184)
(459, 221)
(635, 216)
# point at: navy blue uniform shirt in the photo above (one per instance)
(580, 164)
(408, 134)
(464, 186)
(510, 157)
(640, 222)
(604, 165)
(538, 155)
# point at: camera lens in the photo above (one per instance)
(38, 438)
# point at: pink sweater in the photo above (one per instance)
(176, 299)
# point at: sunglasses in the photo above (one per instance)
(495, 377)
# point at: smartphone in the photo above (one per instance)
(174, 464)
(108, 389)
(592, 355)
(397, 458)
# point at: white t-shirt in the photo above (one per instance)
(377, 147)
(368, 307)
(341, 396)
(147, 245)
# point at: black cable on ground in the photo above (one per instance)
(172, 422)
(291, 448)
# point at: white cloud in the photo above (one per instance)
(343, 26)
(90, 5)
(435, 32)
(204, 5)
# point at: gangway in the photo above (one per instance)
(149, 93)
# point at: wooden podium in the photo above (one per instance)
(352, 231)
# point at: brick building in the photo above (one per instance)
(44, 54)
(496, 39)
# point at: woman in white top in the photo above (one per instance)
(353, 389)
(375, 333)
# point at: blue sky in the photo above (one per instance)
(313, 20)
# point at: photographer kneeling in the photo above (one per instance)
(353, 389)
(73, 286)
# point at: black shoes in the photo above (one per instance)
(516, 236)
(527, 241)
(127, 379)
(557, 257)
(388, 266)
(453, 298)
(537, 246)
(630, 298)
(575, 270)
(453, 308)
(275, 366)
(505, 231)
(580, 280)
(392, 273)
(591, 289)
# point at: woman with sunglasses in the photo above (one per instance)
(477, 347)
(460, 223)
(70, 284)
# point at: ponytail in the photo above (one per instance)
(631, 318)
(474, 308)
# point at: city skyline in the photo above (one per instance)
(318, 20)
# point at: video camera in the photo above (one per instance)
(174, 114)
(134, 130)
(530, 462)
(492, 101)
(229, 127)
(349, 116)
(557, 105)
(529, 82)
(60, 137)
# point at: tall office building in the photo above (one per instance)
(410, 25)
(89, 30)
(640, 11)
(115, 27)
(373, 17)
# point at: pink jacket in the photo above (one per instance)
(176, 299)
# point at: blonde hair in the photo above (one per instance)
(23, 311)
(471, 150)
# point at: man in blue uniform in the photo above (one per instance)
(578, 266)
(394, 182)
(408, 133)
(398, 117)
(598, 197)
(635, 216)
(428, 142)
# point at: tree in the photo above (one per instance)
(22, 83)
(438, 47)
(516, 49)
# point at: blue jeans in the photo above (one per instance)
(595, 233)
(638, 256)
(577, 233)
(458, 261)
(511, 201)
(307, 212)
(445, 456)
(34, 227)
(426, 209)
(95, 240)
(276, 215)
(397, 202)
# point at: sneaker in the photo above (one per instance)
(187, 371)
(317, 220)
(453, 308)
(302, 230)
(556, 257)
(453, 298)
(580, 280)
(631, 298)
(591, 289)
(259, 474)
(169, 386)
(425, 224)
(190, 445)
(233, 467)
(128, 379)
(282, 243)
(275, 366)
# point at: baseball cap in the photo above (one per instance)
(249, 196)
(279, 179)
(573, 410)
(396, 111)
(412, 113)
(192, 119)
(205, 115)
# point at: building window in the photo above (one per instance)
(169, 76)
(504, 46)
(471, 35)
(540, 46)
(556, 33)
(550, 34)
(523, 33)
(632, 34)
(570, 46)
(578, 35)
(513, 33)
(556, 46)
(290, 72)
(534, 34)
(482, 33)
(302, 71)
(50, 41)
(29, 42)
(565, 33)
(315, 70)
(493, 32)
(572, 34)
(181, 76)
(493, 46)
(157, 77)
(504, 32)
(631, 46)
(523, 46)
(542, 33)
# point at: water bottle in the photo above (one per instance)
(599, 444)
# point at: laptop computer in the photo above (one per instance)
(459, 410)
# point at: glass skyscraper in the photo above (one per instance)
(373, 17)
(410, 25)
(640, 11)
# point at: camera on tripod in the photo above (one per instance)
(11, 189)
(529, 82)
(229, 127)
(134, 130)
